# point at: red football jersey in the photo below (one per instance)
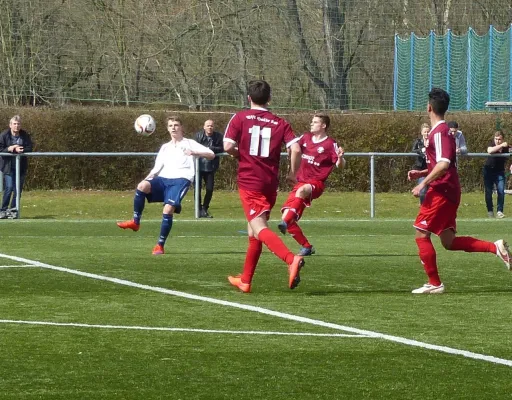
(260, 136)
(318, 159)
(441, 147)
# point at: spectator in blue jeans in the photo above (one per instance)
(15, 141)
(494, 174)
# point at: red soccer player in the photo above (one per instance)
(320, 154)
(255, 138)
(438, 212)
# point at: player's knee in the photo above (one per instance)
(144, 186)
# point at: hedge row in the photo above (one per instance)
(83, 129)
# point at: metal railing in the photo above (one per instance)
(197, 200)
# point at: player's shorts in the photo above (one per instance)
(436, 214)
(168, 191)
(317, 190)
(256, 203)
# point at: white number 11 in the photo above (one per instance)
(254, 149)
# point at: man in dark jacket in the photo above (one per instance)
(418, 147)
(15, 141)
(208, 137)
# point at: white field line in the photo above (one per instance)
(265, 311)
(18, 266)
(164, 329)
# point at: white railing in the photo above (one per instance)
(372, 157)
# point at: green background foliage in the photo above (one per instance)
(83, 129)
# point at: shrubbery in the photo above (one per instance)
(83, 129)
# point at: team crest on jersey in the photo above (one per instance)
(320, 150)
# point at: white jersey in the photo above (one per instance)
(172, 162)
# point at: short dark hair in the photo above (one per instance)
(453, 125)
(259, 92)
(173, 118)
(324, 118)
(439, 100)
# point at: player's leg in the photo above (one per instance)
(276, 245)
(175, 190)
(144, 188)
(243, 281)
(471, 245)
(428, 258)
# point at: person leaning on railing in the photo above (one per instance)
(15, 141)
(494, 174)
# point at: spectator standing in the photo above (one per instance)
(420, 164)
(14, 140)
(494, 174)
(460, 140)
(211, 139)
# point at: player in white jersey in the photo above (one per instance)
(168, 181)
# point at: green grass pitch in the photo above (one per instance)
(88, 313)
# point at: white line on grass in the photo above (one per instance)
(391, 338)
(18, 266)
(151, 328)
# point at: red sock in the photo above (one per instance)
(296, 232)
(472, 245)
(276, 245)
(251, 259)
(427, 255)
(295, 211)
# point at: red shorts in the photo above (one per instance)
(436, 214)
(256, 203)
(317, 190)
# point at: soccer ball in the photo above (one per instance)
(145, 125)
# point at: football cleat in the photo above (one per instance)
(237, 281)
(306, 251)
(294, 271)
(503, 252)
(130, 224)
(158, 249)
(282, 226)
(429, 289)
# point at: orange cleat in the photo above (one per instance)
(158, 249)
(130, 224)
(294, 271)
(237, 281)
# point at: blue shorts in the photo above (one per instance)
(168, 191)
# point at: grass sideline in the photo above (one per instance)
(90, 204)
(88, 313)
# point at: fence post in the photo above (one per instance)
(18, 186)
(197, 199)
(372, 186)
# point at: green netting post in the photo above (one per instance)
(510, 63)
(431, 60)
(469, 76)
(489, 98)
(411, 79)
(395, 73)
(448, 59)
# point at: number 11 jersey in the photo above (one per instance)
(259, 135)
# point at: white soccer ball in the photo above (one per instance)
(145, 125)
